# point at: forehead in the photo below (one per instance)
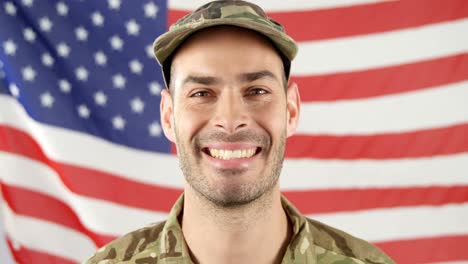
(227, 49)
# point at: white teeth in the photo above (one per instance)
(226, 154)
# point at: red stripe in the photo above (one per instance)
(19, 142)
(361, 199)
(423, 143)
(383, 81)
(426, 250)
(354, 20)
(102, 185)
(48, 208)
(24, 255)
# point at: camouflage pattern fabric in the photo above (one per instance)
(227, 12)
(311, 242)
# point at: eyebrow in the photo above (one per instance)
(253, 76)
(204, 80)
(244, 78)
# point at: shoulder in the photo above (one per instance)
(331, 243)
(142, 241)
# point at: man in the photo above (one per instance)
(229, 109)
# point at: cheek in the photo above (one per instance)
(272, 117)
(189, 122)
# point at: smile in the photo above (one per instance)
(229, 154)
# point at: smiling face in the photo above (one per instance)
(229, 114)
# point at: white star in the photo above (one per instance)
(114, 4)
(81, 33)
(27, 3)
(151, 10)
(81, 73)
(63, 49)
(149, 51)
(10, 8)
(45, 24)
(154, 129)
(100, 58)
(47, 60)
(137, 105)
(83, 111)
(118, 122)
(62, 8)
(9, 47)
(64, 86)
(14, 90)
(133, 28)
(97, 19)
(119, 81)
(135, 66)
(155, 88)
(29, 74)
(47, 100)
(29, 34)
(116, 42)
(100, 98)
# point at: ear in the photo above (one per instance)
(167, 115)
(294, 107)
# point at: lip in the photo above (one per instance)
(240, 163)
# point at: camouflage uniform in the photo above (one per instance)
(311, 242)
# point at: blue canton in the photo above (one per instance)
(86, 66)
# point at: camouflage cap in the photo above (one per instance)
(224, 12)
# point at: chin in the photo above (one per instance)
(231, 200)
(234, 194)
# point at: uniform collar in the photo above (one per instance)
(173, 246)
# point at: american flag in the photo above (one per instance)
(381, 151)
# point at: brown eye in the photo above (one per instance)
(256, 91)
(200, 94)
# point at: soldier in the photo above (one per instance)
(229, 108)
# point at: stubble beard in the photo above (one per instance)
(234, 195)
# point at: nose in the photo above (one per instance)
(231, 113)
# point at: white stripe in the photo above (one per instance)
(381, 49)
(46, 237)
(305, 174)
(297, 173)
(279, 5)
(98, 215)
(423, 109)
(401, 223)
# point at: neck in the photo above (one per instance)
(244, 234)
